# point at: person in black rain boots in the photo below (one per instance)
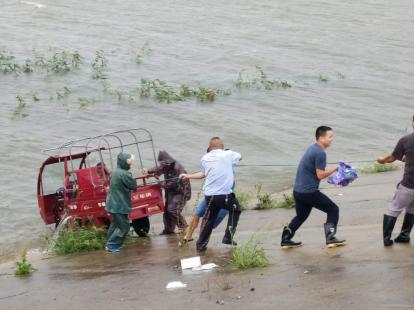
(311, 170)
(404, 193)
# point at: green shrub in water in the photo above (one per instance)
(23, 267)
(249, 255)
(376, 167)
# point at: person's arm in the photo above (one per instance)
(322, 174)
(397, 154)
(195, 176)
(386, 159)
(129, 181)
(236, 157)
(154, 170)
(320, 165)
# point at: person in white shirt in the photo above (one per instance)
(217, 168)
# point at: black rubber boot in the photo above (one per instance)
(331, 241)
(286, 237)
(228, 238)
(233, 219)
(388, 224)
(405, 235)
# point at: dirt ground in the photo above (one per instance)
(361, 275)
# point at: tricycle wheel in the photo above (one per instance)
(141, 226)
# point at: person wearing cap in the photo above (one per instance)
(118, 202)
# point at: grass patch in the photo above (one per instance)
(287, 202)
(80, 240)
(266, 202)
(376, 168)
(249, 255)
(243, 199)
(264, 199)
(23, 267)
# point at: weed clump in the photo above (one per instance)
(23, 267)
(287, 202)
(78, 240)
(243, 199)
(249, 255)
(166, 93)
(266, 202)
(376, 168)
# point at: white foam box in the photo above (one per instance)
(191, 262)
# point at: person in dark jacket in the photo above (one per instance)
(176, 191)
(118, 202)
(404, 193)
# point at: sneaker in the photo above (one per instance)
(113, 249)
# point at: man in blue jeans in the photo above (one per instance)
(311, 170)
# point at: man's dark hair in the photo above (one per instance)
(321, 131)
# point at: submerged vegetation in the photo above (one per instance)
(60, 62)
(260, 81)
(57, 62)
(99, 66)
(166, 93)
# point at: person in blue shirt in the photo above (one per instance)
(311, 170)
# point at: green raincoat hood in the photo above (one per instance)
(122, 161)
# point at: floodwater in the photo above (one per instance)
(364, 48)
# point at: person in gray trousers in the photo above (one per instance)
(404, 193)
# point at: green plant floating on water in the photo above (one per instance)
(59, 62)
(376, 168)
(323, 78)
(166, 93)
(260, 81)
(19, 111)
(8, 63)
(99, 66)
(142, 52)
(84, 102)
(249, 255)
(23, 267)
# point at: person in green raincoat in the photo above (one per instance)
(118, 202)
